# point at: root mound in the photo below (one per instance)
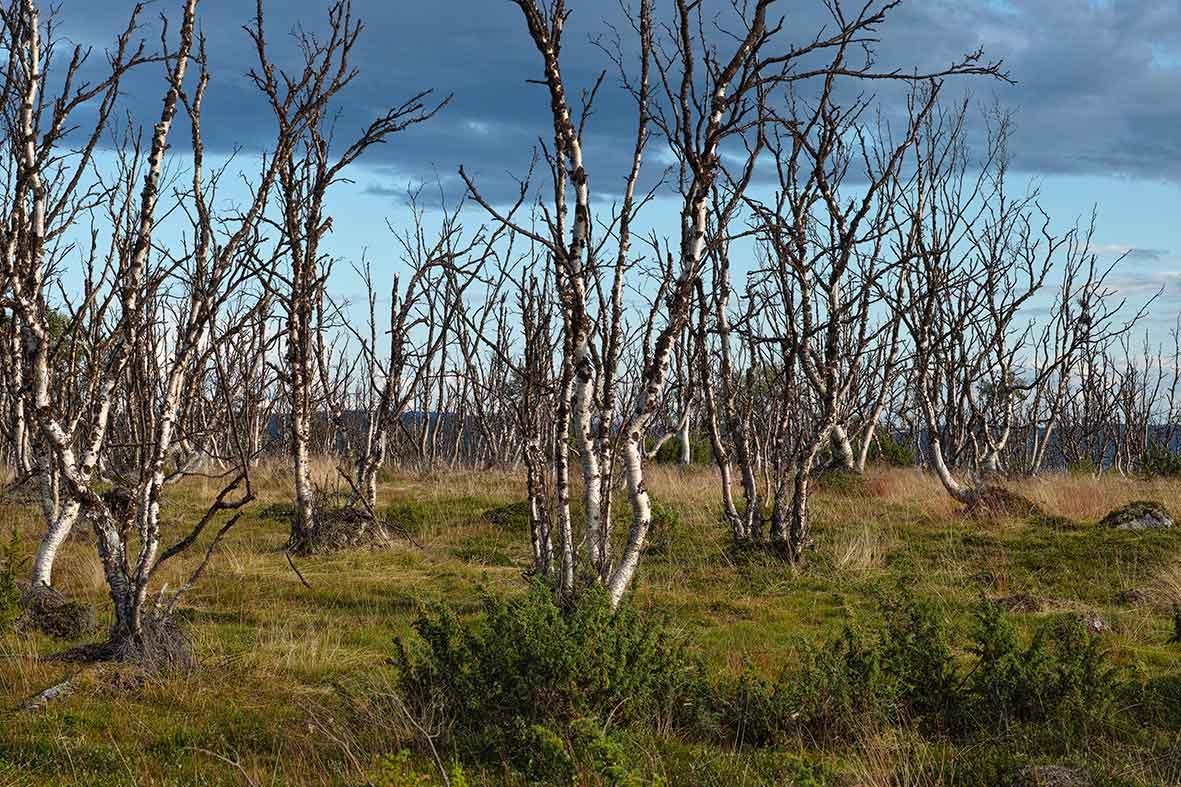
(996, 501)
(338, 529)
(162, 647)
(48, 611)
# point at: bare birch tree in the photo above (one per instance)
(302, 104)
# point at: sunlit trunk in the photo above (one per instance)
(55, 536)
(841, 448)
(686, 446)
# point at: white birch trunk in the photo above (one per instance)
(686, 447)
(55, 536)
(633, 472)
(842, 449)
(584, 384)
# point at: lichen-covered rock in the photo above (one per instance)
(1051, 776)
(1139, 515)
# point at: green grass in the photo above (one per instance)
(285, 692)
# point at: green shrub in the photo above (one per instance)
(887, 450)
(917, 657)
(512, 517)
(584, 750)
(700, 450)
(408, 517)
(837, 682)
(1159, 462)
(748, 710)
(397, 770)
(557, 694)
(526, 663)
(11, 566)
(665, 529)
(898, 671)
(1062, 677)
(904, 671)
(1082, 467)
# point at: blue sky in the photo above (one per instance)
(1097, 103)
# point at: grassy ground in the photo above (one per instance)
(279, 696)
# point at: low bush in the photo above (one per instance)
(887, 450)
(700, 450)
(550, 690)
(584, 748)
(665, 529)
(11, 565)
(906, 671)
(900, 671)
(1159, 462)
(1082, 467)
(411, 518)
(1062, 677)
(511, 517)
(525, 663)
(397, 770)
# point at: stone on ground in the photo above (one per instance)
(1139, 515)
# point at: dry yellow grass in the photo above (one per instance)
(898, 757)
(1088, 498)
(860, 550)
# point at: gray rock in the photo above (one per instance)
(1139, 515)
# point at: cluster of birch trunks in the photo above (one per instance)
(850, 261)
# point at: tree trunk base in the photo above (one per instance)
(347, 527)
(992, 501)
(161, 646)
(749, 548)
